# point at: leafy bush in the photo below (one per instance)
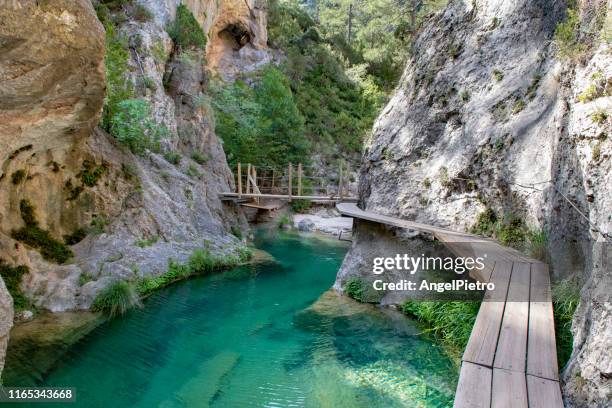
(451, 321)
(143, 243)
(185, 30)
(498, 75)
(173, 157)
(75, 237)
(567, 36)
(599, 115)
(485, 223)
(199, 157)
(31, 234)
(12, 279)
(118, 87)
(132, 125)
(538, 244)
(284, 220)
(361, 290)
(566, 297)
(300, 206)
(117, 299)
(91, 173)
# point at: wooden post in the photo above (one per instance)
(239, 181)
(299, 179)
(340, 182)
(248, 186)
(255, 188)
(289, 174)
(273, 180)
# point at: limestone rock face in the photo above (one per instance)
(6, 320)
(486, 115)
(51, 95)
(142, 211)
(236, 31)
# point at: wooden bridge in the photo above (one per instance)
(293, 183)
(510, 359)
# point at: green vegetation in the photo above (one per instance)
(193, 172)
(143, 243)
(498, 75)
(173, 157)
(133, 126)
(84, 278)
(91, 173)
(200, 262)
(300, 206)
(445, 180)
(596, 154)
(75, 237)
(361, 290)
(599, 115)
(185, 30)
(199, 158)
(117, 299)
(261, 123)
(118, 88)
(285, 220)
(566, 36)
(566, 296)
(511, 230)
(518, 106)
(129, 171)
(588, 94)
(12, 279)
(18, 176)
(451, 321)
(31, 234)
(98, 224)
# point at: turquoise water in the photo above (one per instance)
(265, 335)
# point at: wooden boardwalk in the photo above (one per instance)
(510, 359)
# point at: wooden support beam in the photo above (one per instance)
(254, 181)
(340, 186)
(239, 181)
(272, 179)
(248, 186)
(289, 174)
(299, 179)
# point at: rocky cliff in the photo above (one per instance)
(123, 215)
(488, 115)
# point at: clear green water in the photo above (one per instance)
(254, 336)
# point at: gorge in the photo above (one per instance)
(121, 122)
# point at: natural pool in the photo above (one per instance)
(264, 335)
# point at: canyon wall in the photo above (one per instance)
(136, 211)
(486, 115)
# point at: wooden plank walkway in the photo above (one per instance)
(510, 359)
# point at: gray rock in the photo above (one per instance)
(306, 225)
(6, 320)
(484, 116)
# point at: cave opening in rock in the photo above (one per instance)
(235, 35)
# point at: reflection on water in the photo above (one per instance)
(261, 335)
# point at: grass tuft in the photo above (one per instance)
(117, 299)
(566, 297)
(450, 321)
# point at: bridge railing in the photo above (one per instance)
(293, 181)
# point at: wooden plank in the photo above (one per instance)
(512, 345)
(543, 393)
(541, 349)
(261, 206)
(509, 389)
(483, 339)
(474, 387)
(285, 196)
